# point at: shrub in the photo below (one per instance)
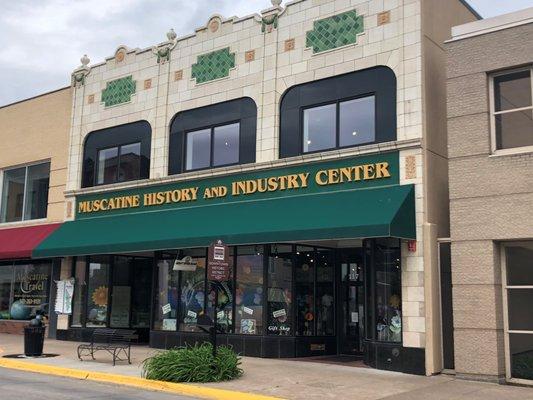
(193, 364)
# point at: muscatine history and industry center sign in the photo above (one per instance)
(340, 174)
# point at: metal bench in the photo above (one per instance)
(116, 342)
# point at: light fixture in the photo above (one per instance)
(308, 142)
(354, 133)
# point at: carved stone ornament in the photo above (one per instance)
(214, 24)
(163, 50)
(269, 23)
(79, 74)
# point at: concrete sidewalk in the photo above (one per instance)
(293, 379)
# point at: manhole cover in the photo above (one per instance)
(23, 356)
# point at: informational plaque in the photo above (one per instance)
(65, 292)
(218, 262)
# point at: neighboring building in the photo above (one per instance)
(311, 139)
(490, 135)
(34, 137)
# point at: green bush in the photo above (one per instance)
(193, 364)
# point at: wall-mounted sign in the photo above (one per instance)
(187, 263)
(340, 174)
(218, 262)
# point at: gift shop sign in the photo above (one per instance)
(360, 172)
(218, 268)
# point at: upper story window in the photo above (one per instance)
(212, 147)
(343, 111)
(512, 109)
(340, 124)
(213, 136)
(117, 154)
(25, 193)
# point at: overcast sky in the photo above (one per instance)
(41, 41)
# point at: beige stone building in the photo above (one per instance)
(490, 144)
(34, 137)
(311, 139)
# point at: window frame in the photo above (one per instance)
(493, 113)
(119, 155)
(116, 136)
(211, 145)
(337, 122)
(25, 166)
(506, 331)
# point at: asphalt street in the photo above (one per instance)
(31, 386)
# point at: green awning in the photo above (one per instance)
(381, 212)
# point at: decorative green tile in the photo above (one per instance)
(118, 91)
(336, 31)
(214, 65)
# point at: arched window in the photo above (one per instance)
(117, 154)
(343, 111)
(213, 136)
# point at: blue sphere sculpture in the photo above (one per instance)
(20, 311)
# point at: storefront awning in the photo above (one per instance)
(382, 212)
(20, 242)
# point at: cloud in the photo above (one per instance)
(42, 41)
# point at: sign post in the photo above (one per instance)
(217, 271)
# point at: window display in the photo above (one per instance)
(280, 290)
(225, 300)
(24, 290)
(305, 299)
(325, 310)
(192, 311)
(97, 302)
(166, 296)
(388, 290)
(249, 291)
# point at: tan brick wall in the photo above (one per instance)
(35, 130)
(491, 197)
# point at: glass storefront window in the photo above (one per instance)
(325, 308)
(305, 299)
(30, 290)
(388, 290)
(6, 277)
(107, 165)
(279, 290)
(225, 299)
(249, 291)
(130, 162)
(166, 296)
(80, 292)
(192, 293)
(97, 289)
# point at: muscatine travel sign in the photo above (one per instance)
(340, 174)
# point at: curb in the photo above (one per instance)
(132, 381)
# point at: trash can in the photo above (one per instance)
(33, 340)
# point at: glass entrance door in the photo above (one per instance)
(351, 298)
(131, 285)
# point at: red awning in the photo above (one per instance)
(20, 242)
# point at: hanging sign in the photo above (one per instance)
(218, 262)
(65, 292)
(185, 264)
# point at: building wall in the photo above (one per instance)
(491, 197)
(38, 129)
(282, 60)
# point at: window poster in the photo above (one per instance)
(64, 295)
(248, 326)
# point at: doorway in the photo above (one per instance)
(351, 302)
(131, 284)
